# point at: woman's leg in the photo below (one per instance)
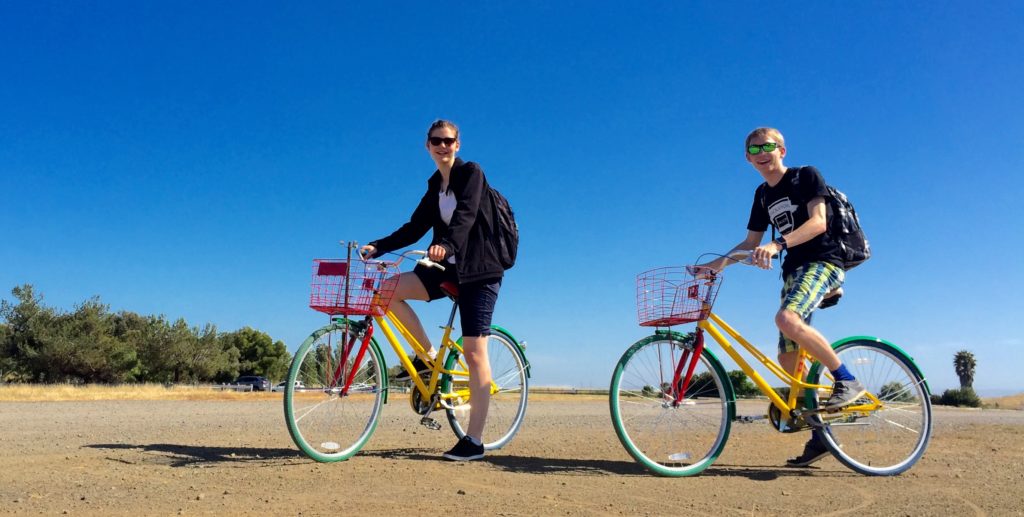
(410, 287)
(475, 351)
(476, 306)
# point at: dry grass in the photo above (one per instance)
(1007, 402)
(70, 392)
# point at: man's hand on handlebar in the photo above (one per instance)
(762, 255)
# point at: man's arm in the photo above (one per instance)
(751, 242)
(813, 227)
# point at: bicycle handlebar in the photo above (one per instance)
(411, 253)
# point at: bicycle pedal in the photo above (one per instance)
(749, 419)
(430, 423)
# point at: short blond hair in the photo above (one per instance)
(765, 132)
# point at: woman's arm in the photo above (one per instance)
(418, 226)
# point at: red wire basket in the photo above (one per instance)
(352, 287)
(673, 296)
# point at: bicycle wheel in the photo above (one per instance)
(884, 441)
(509, 373)
(669, 439)
(326, 425)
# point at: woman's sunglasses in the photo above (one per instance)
(766, 147)
(437, 141)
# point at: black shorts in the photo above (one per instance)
(476, 299)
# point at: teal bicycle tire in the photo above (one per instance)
(666, 439)
(507, 409)
(326, 426)
(887, 441)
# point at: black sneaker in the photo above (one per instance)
(418, 364)
(845, 393)
(814, 450)
(465, 450)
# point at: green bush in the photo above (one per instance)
(962, 397)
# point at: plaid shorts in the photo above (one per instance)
(803, 290)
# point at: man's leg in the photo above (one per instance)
(792, 326)
(804, 289)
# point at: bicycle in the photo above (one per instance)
(673, 404)
(344, 379)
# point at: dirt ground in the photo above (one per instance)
(235, 457)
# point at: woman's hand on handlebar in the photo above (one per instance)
(367, 251)
(436, 253)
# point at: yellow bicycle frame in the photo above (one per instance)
(461, 370)
(796, 383)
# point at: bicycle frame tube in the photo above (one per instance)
(795, 383)
(385, 323)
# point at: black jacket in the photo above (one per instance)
(469, 237)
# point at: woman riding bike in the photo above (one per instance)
(457, 207)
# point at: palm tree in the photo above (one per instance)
(964, 363)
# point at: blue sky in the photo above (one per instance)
(191, 159)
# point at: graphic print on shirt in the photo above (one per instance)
(781, 215)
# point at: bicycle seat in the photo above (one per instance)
(831, 300)
(451, 289)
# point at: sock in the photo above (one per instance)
(474, 441)
(432, 353)
(842, 374)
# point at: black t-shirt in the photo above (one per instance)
(784, 206)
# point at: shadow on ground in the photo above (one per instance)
(538, 465)
(191, 455)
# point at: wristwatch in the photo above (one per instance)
(781, 241)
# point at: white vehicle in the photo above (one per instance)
(281, 386)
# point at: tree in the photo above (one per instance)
(26, 320)
(258, 353)
(82, 347)
(742, 386)
(964, 363)
(896, 391)
(6, 362)
(90, 344)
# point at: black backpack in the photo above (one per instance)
(506, 231)
(843, 227)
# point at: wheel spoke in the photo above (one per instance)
(892, 437)
(325, 425)
(668, 438)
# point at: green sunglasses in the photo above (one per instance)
(766, 147)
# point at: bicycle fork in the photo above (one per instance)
(681, 382)
(352, 333)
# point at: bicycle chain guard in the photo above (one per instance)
(419, 404)
(789, 425)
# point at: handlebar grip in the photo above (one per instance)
(742, 256)
(430, 263)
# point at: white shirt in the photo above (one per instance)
(446, 202)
